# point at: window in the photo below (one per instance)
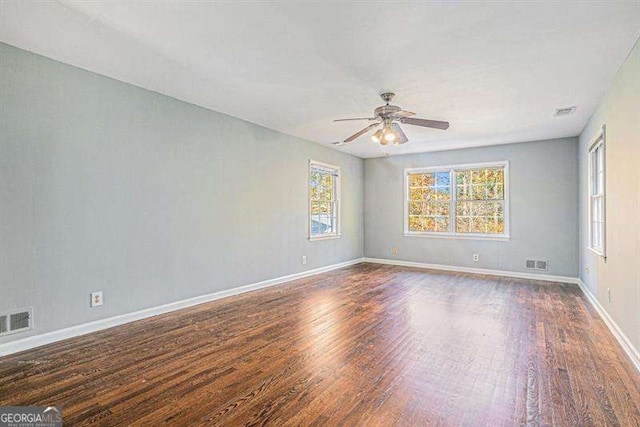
(324, 201)
(597, 194)
(457, 201)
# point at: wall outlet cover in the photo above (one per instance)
(96, 299)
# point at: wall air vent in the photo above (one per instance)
(565, 111)
(15, 321)
(541, 265)
(537, 264)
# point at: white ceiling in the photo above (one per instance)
(496, 71)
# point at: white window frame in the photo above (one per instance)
(598, 141)
(452, 212)
(336, 170)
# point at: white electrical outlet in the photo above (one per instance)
(96, 299)
(394, 251)
(303, 260)
(476, 257)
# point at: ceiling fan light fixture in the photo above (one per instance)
(377, 137)
(389, 136)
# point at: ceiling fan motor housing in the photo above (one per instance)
(386, 111)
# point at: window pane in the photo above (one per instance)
(601, 209)
(415, 208)
(601, 233)
(483, 208)
(596, 209)
(600, 159)
(441, 209)
(477, 225)
(443, 193)
(327, 188)
(415, 223)
(495, 191)
(600, 182)
(422, 179)
(442, 223)
(428, 223)
(416, 194)
(462, 224)
(463, 185)
(463, 208)
(442, 179)
(480, 201)
(431, 194)
(478, 176)
(321, 207)
(429, 201)
(495, 225)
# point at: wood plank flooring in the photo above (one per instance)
(364, 345)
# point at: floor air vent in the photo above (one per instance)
(15, 321)
(537, 264)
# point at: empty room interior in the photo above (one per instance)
(298, 213)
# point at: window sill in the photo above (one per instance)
(597, 252)
(329, 237)
(501, 238)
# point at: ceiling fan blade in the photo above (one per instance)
(402, 138)
(362, 132)
(358, 118)
(403, 113)
(425, 123)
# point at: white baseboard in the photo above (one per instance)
(624, 341)
(74, 331)
(504, 273)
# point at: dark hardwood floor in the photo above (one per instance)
(364, 345)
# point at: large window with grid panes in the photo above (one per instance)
(458, 201)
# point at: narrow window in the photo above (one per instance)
(324, 200)
(597, 194)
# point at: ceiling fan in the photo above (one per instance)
(390, 117)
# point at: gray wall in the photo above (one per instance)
(106, 186)
(543, 205)
(620, 112)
